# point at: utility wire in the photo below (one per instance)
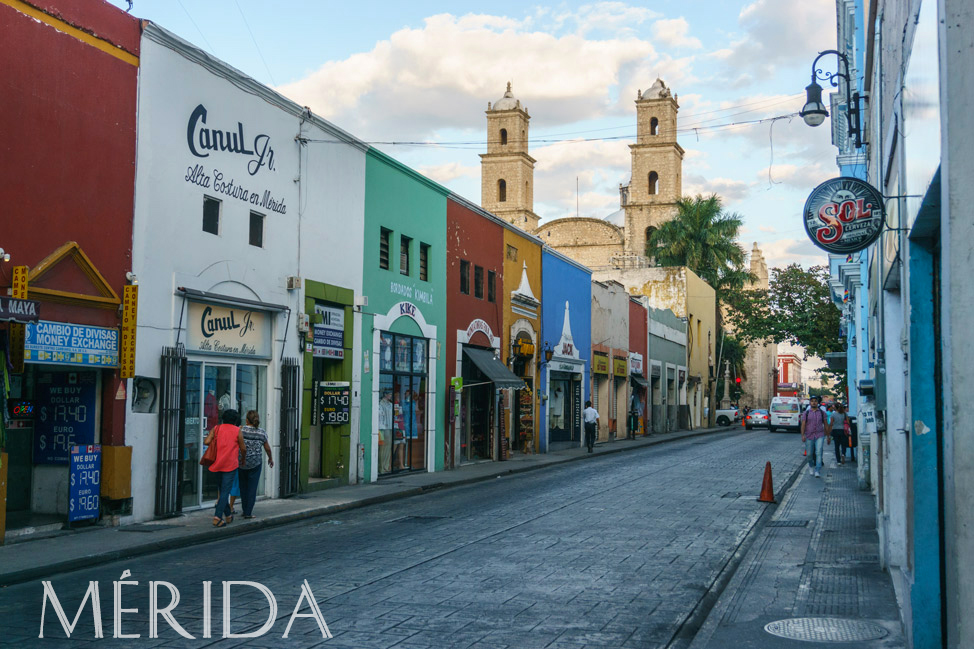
(259, 53)
(190, 16)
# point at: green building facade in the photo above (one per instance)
(403, 388)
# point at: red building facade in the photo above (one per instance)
(638, 378)
(68, 156)
(475, 281)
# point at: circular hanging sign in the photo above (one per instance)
(844, 215)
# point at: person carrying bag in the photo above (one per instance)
(227, 444)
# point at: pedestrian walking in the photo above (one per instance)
(590, 417)
(839, 435)
(255, 439)
(814, 426)
(229, 445)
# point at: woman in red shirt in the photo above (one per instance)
(229, 445)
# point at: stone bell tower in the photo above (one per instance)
(506, 170)
(657, 167)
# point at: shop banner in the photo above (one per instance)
(619, 367)
(64, 414)
(635, 363)
(63, 343)
(328, 337)
(84, 488)
(226, 330)
(600, 364)
(14, 310)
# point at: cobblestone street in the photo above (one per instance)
(612, 552)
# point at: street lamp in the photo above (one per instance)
(814, 111)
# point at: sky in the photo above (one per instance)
(422, 73)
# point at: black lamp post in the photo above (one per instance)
(814, 111)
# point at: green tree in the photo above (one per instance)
(703, 237)
(797, 307)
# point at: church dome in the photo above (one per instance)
(657, 91)
(617, 218)
(507, 102)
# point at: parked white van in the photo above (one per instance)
(785, 414)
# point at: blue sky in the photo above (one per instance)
(424, 72)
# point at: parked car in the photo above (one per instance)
(785, 414)
(724, 417)
(757, 419)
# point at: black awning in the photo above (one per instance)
(638, 380)
(496, 371)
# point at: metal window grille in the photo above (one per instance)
(491, 290)
(465, 277)
(211, 215)
(384, 236)
(172, 431)
(424, 258)
(404, 244)
(290, 427)
(478, 282)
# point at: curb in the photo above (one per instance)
(208, 535)
(687, 635)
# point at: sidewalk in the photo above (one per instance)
(812, 574)
(72, 549)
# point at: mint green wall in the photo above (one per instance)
(401, 200)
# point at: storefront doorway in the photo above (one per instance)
(402, 403)
(564, 407)
(211, 389)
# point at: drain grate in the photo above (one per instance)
(788, 523)
(732, 494)
(826, 629)
(417, 519)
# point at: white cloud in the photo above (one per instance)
(782, 252)
(777, 33)
(805, 176)
(405, 87)
(611, 17)
(729, 189)
(767, 228)
(448, 171)
(674, 32)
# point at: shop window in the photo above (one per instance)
(465, 277)
(511, 252)
(653, 182)
(424, 260)
(402, 403)
(654, 126)
(478, 282)
(491, 289)
(211, 215)
(384, 237)
(257, 229)
(501, 191)
(404, 244)
(503, 136)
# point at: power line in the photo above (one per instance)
(190, 16)
(259, 53)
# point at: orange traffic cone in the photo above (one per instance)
(767, 489)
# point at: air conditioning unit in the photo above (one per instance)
(293, 283)
(304, 323)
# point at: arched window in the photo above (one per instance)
(503, 136)
(654, 126)
(501, 191)
(653, 182)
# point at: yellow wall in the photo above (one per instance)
(528, 250)
(701, 307)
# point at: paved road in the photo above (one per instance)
(611, 552)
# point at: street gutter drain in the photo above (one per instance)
(787, 523)
(417, 519)
(826, 629)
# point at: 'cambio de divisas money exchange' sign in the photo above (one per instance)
(844, 215)
(218, 329)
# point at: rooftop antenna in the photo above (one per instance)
(576, 196)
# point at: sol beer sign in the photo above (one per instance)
(844, 215)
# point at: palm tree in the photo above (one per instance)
(702, 237)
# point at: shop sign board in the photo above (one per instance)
(227, 330)
(844, 215)
(63, 343)
(635, 363)
(619, 367)
(64, 414)
(600, 364)
(130, 313)
(328, 336)
(16, 310)
(334, 402)
(84, 487)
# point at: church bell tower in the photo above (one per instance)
(506, 170)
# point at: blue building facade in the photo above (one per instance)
(566, 332)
